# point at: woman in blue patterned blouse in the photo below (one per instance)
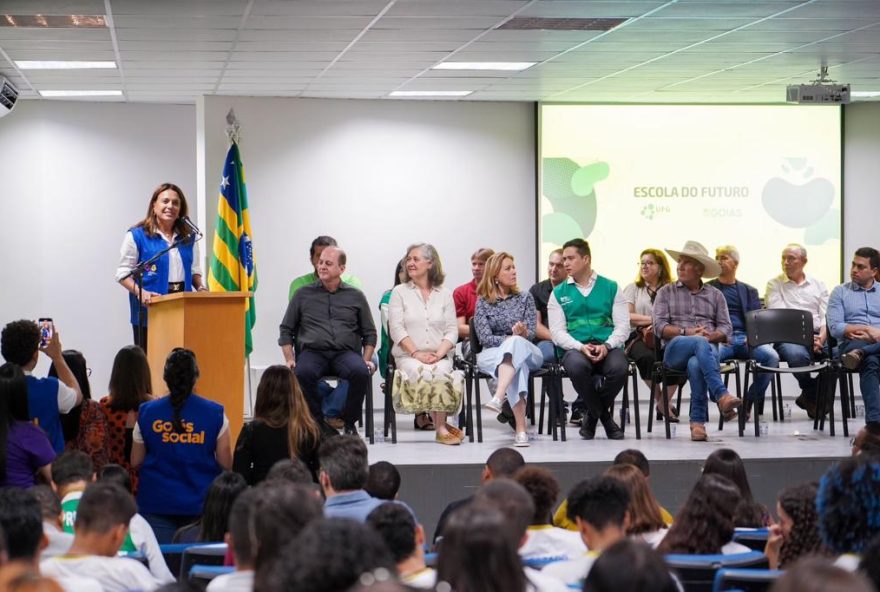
(505, 324)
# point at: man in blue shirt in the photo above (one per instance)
(343, 474)
(854, 320)
(742, 298)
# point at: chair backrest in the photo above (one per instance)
(543, 561)
(204, 554)
(203, 574)
(474, 339)
(748, 580)
(697, 572)
(753, 538)
(780, 325)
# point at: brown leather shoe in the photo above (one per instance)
(852, 360)
(727, 406)
(334, 422)
(698, 432)
(449, 439)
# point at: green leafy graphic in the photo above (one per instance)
(570, 189)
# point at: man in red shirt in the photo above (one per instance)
(465, 296)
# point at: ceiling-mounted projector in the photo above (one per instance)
(8, 96)
(821, 91)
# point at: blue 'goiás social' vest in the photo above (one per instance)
(156, 277)
(587, 318)
(43, 407)
(178, 466)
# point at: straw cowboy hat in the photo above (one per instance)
(695, 250)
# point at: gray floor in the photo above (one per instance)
(791, 452)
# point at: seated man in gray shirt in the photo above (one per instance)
(330, 323)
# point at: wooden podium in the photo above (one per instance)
(211, 324)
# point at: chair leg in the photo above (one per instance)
(541, 409)
(741, 416)
(776, 393)
(478, 407)
(369, 421)
(651, 398)
(845, 395)
(559, 423)
(830, 409)
(469, 406)
(852, 396)
(624, 406)
(664, 395)
(530, 401)
(635, 382)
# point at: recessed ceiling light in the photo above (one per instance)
(81, 93)
(430, 93)
(51, 21)
(512, 66)
(865, 94)
(62, 65)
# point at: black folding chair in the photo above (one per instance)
(784, 325)
(389, 415)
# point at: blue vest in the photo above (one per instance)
(156, 278)
(178, 467)
(43, 407)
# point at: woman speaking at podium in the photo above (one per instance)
(177, 270)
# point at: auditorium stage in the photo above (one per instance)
(792, 452)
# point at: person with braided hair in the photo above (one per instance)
(182, 440)
(797, 533)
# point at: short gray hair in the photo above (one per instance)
(728, 250)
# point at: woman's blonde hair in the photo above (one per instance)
(487, 289)
(644, 510)
(435, 274)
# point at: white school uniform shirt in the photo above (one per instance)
(114, 574)
(237, 581)
(546, 540)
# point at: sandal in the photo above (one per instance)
(673, 414)
(424, 422)
(455, 432)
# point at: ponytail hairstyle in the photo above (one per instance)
(181, 373)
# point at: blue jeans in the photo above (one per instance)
(869, 376)
(548, 350)
(765, 355)
(795, 356)
(700, 358)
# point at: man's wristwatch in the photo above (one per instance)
(681, 331)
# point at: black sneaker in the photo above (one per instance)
(588, 427)
(577, 416)
(350, 430)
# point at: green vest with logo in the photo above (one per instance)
(587, 318)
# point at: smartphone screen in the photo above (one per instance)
(47, 328)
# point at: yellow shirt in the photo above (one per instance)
(560, 518)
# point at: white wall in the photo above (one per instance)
(75, 177)
(377, 176)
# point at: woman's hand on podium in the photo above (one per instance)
(147, 296)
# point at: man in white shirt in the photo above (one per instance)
(599, 508)
(102, 518)
(589, 322)
(406, 541)
(793, 288)
(239, 538)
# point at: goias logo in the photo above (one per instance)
(169, 436)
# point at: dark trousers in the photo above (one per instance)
(596, 384)
(311, 366)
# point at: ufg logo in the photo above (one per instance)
(565, 300)
(169, 436)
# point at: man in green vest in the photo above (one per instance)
(589, 322)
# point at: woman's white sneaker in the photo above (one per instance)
(494, 404)
(521, 440)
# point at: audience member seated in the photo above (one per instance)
(50, 397)
(589, 322)
(383, 481)
(20, 527)
(630, 456)
(58, 541)
(504, 462)
(867, 440)
(421, 323)
(742, 298)
(332, 399)
(281, 511)
(329, 556)
(599, 507)
(213, 524)
(130, 387)
(406, 540)
(819, 574)
(691, 318)
(848, 504)
(331, 326)
(85, 427)
(505, 321)
(854, 320)
(182, 441)
(630, 566)
(645, 522)
(290, 470)
(704, 525)
(25, 451)
(102, 518)
(344, 471)
(727, 463)
(795, 289)
(140, 537)
(71, 473)
(516, 505)
(282, 428)
(797, 533)
(478, 552)
(465, 296)
(240, 539)
(639, 297)
(544, 539)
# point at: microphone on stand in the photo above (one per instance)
(189, 223)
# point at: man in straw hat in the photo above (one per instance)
(692, 319)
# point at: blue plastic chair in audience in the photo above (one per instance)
(753, 538)
(697, 572)
(202, 574)
(747, 580)
(202, 554)
(542, 562)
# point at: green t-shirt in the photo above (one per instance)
(68, 518)
(311, 278)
